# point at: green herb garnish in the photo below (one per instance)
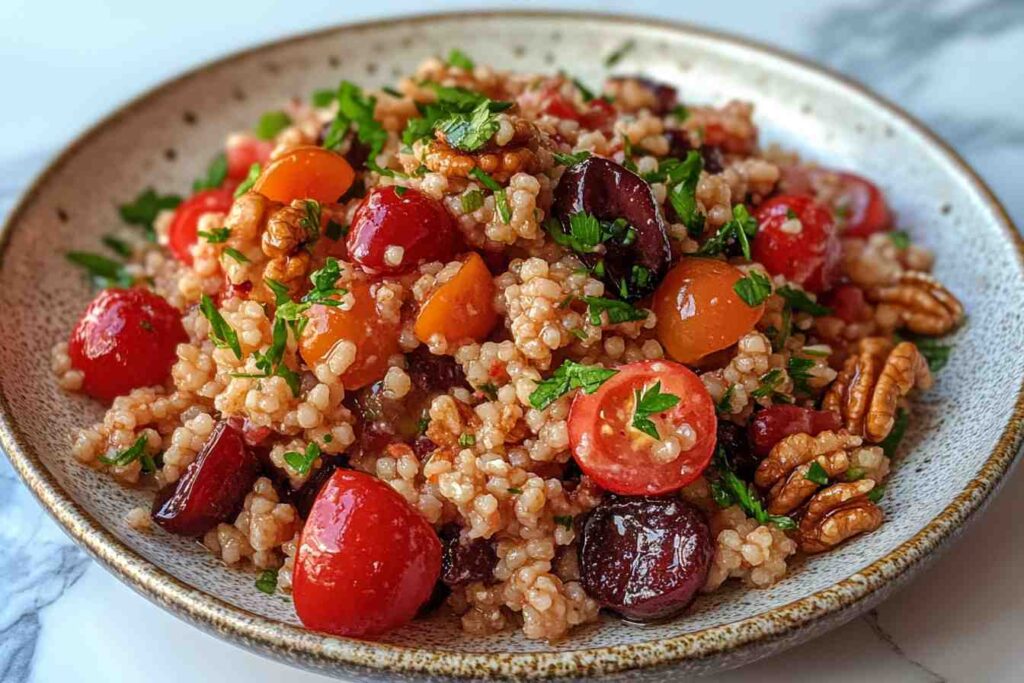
(754, 288)
(236, 255)
(137, 451)
(356, 109)
(117, 245)
(266, 582)
(459, 59)
(618, 311)
(741, 229)
(729, 489)
(572, 158)
(799, 300)
(569, 375)
(143, 210)
(215, 236)
(816, 473)
(768, 383)
(303, 462)
(899, 427)
(799, 371)
(564, 520)
(311, 220)
(272, 123)
(681, 178)
(875, 494)
(250, 180)
(650, 402)
(322, 98)
(466, 440)
(222, 335)
(216, 173)
(900, 239)
(104, 272)
(620, 52)
(334, 230)
(724, 404)
(500, 197)
(471, 201)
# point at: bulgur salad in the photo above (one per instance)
(503, 347)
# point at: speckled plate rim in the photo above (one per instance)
(295, 644)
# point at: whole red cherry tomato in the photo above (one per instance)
(126, 339)
(773, 424)
(624, 459)
(858, 205)
(243, 152)
(396, 229)
(366, 561)
(797, 239)
(183, 231)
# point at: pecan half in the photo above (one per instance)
(790, 493)
(867, 391)
(921, 303)
(836, 514)
(799, 449)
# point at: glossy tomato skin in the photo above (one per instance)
(419, 225)
(184, 229)
(245, 151)
(618, 457)
(366, 560)
(127, 338)
(804, 249)
(857, 204)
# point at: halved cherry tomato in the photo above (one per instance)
(243, 152)
(797, 239)
(366, 560)
(857, 204)
(127, 338)
(306, 173)
(183, 230)
(621, 458)
(410, 221)
(462, 308)
(699, 311)
(375, 338)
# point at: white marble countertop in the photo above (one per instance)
(955, 64)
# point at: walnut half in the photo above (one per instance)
(867, 391)
(836, 514)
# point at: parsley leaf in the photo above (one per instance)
(266, 582)
(216, 173)
(754, 288)
(354, 108)
(272, 123)
(311, 221)
(618, 311)
(934, 352)
(767, 383)
(104, 272)
(322, 98)
(681, 177)
(137, 451)
(875, 494)
(650, 402)
(620, 52)
(680, 112)
(564, 521)
(500, 197)
(890, 443)
(460, 59)
(303, 462)
(816, 473)
(450, 101)
(469, 132)
(271, 362)
(215, 236)
(585, 92)
(236, 255)
(117, 245)
(798, 368)
(466, 440)
(570, 375)
(741, 229)
(250, 180)
(471, 201)
(729, 489)
(572, 158)
(900, 239)
(143, 210)
(334, 230)
(799, 300)
(724, 404)
(222, 335)
(586, 232)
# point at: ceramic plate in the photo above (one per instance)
(966, 432)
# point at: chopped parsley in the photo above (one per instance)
(392, 91)
(310, 222)
(271, 362)
(303, 462)
(899, 427)
(216, 173)
(250, 180)
(222, 335)
(816, 473)
(266, 582)
(322, 98)
(215, 236)
(935, 353)
(272, 123)
(616, 56)
(572, 158)
(799, 300)
(875, 494)
(422, 424)
(117, 245)
(900, 239)
(471, 201)
(489, 390)
(143, 210)
(586, 93)
(356, 109)
(650, 402)
(729, 489)
(460, 59)
(854, 474)
(754, 288)
(236, 255)
(741, 229)
(466, 440)
(569, 375)
(724, 404)
(586, 232)
(514, 490)
(500, 197)
(799, 372)
(680, 112)
(400, 190)
(323, 292)
(767, 383)
(452, 104)
(469, 132)
(137, 451)
(681, 178)
(103, 271)
(334, 230)
(564, 521)
(618, 311)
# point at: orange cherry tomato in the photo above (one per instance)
(306, 173)
(375, 339)
(625, 460)
(462, 308)
(698, 310)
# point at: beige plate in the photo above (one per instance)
(966, 432)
